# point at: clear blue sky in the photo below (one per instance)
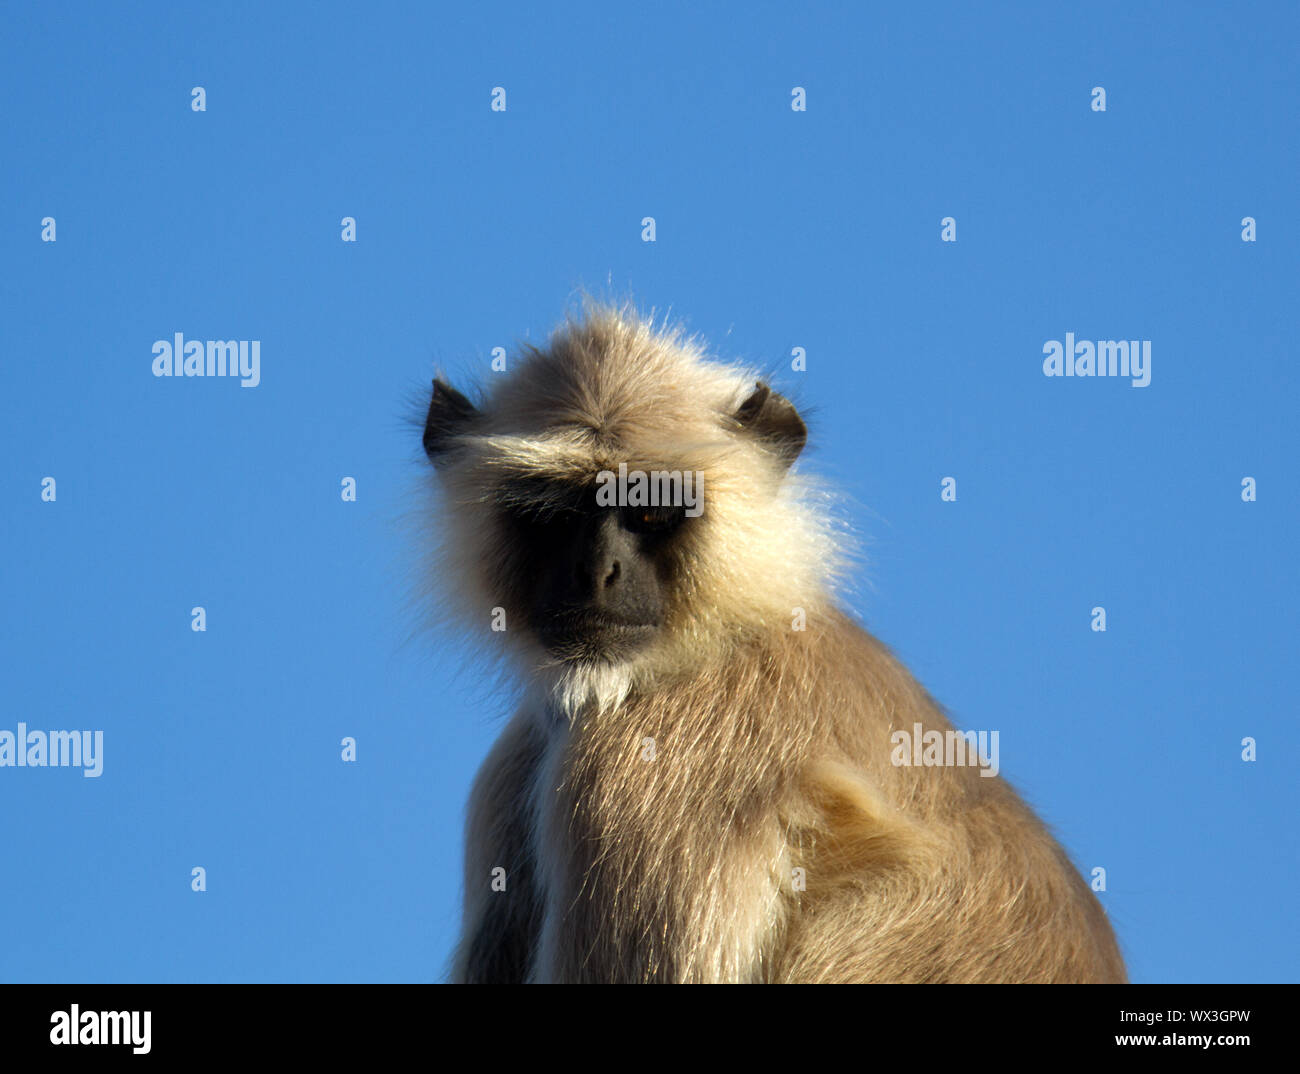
(776, 229)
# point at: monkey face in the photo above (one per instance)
(595, 580)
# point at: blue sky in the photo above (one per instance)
(775, 230)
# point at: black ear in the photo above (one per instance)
(449, 414)
(773, 418)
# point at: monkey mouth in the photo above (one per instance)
(585, 634)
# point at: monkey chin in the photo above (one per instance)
(589, 684)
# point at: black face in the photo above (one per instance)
(593, 578)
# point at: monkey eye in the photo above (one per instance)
(660, 520)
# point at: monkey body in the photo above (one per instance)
(682, 867)
(693, 791)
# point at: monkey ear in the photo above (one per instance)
(449, 414)
(773, 418)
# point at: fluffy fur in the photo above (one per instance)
(771, 745)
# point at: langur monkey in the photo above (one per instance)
(700, 784)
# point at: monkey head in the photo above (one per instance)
(617, 497)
